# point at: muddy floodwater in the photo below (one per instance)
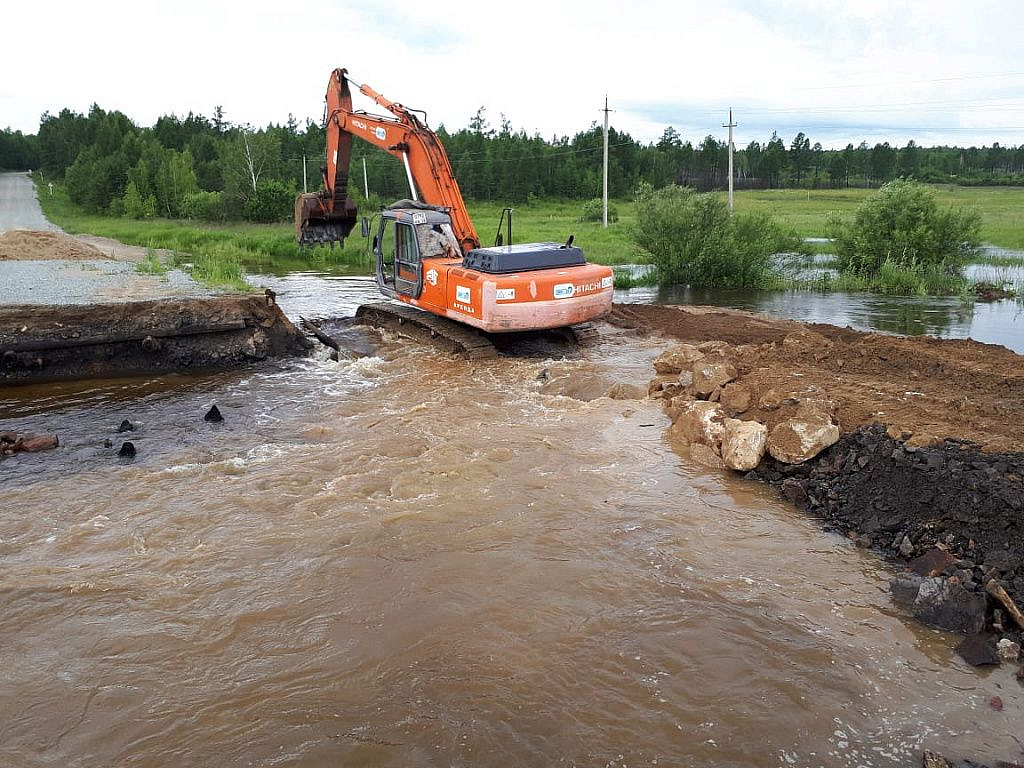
(405, 559)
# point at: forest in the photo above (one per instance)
(211, 169)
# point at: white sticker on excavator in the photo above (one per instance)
(565, 291)
(607, 282)
(505, 294)
(463, 294)
(432, 276)
(380, 133)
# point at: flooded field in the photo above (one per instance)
(408, 559)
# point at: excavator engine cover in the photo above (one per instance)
(506, 259)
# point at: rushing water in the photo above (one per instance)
(407, 559)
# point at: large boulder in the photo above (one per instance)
(735, 398)
(676, 404)
(700, 422)
(794, 441)
(947, 605)
(707, 377)
(773, 399)
(677, 359)
(706, 456)
(743, 444)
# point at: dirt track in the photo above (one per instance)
(931, 388)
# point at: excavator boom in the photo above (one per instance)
(329, 215)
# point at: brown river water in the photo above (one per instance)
(407, 559)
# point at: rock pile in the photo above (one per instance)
(712, 408)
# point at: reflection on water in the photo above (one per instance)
(996, 322)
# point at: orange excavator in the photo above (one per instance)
(427, 252)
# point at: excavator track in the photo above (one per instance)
(583, 334)
(423, 326)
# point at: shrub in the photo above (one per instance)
(205, 206)
(692, 239)
(272, 201)
(135, 206)
(593, 210)
(902, 225)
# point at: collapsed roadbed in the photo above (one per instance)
(47, 342)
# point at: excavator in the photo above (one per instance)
(427, 252)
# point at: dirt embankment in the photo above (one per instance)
(930, 388)
(86, 341)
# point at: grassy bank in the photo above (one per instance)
(807, 211)
(220, 252)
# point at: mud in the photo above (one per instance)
(931, 389)
(89, 341)
(30, 245)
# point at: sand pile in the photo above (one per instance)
(29, 245)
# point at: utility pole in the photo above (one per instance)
(730, 125)
(304, 187)
(604, 218)
(366, 184)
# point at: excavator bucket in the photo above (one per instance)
(316, 225)
(326, 217)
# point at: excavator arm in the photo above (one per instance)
(329, 215)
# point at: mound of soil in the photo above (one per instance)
(29, 245)
(932, 389)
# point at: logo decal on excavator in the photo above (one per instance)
(462, 294)
(380, 133)
(565, 291)
(432, 276)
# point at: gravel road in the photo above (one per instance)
(19, 208)
(59, 281)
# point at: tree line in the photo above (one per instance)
(210, 168)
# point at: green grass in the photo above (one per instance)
(807, 210)
(222, 252)
(151, 265)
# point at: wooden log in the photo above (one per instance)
(995, 589)
(113, 338)
(317, 331)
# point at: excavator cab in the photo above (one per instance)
(408, 233)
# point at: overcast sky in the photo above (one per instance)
(936, 71)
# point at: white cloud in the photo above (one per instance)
(839, 71)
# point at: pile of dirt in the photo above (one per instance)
(932, 389)
(30, 245)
